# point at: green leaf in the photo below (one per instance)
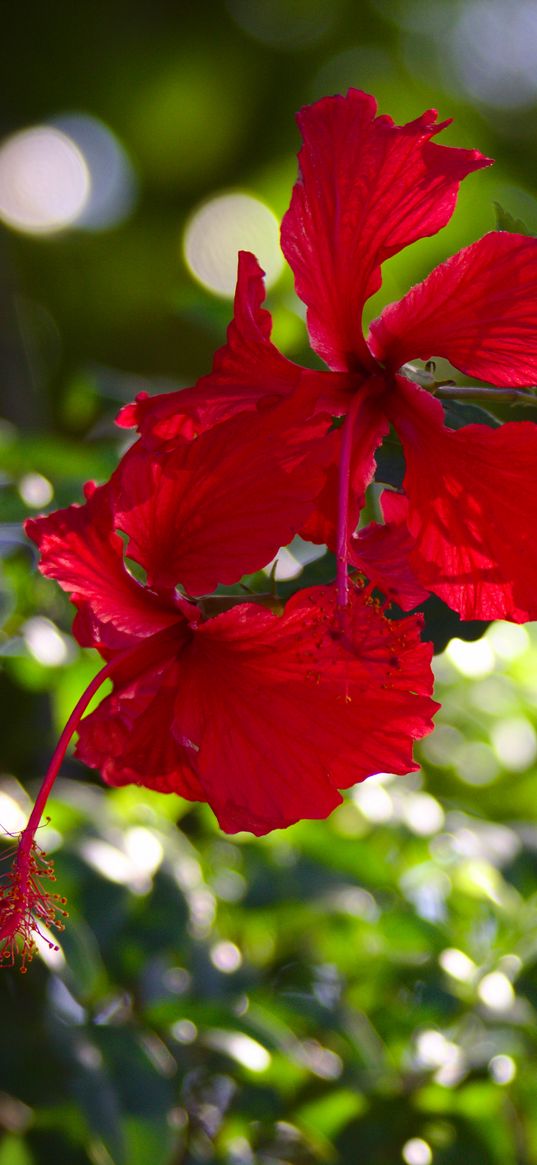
(458, 414)
(505, 221)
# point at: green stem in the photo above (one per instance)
(489, 394)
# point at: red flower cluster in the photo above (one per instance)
(266, 712)
(367, 188)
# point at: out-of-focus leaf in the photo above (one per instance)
(148, 1140)
(459, 413)
(505, 221)
(14, 1151)
(329, 1114)
(85, 971)
(55, 458)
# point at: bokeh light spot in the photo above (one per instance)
(113, 184)
(508, 640)
(515, 743)
(144, 850)
(423, 814)
(221, 228)
(457, 965)
(373, 801)
(474, 659)
(475, 763)
(496, 992)
(47, 645)
(12, 815)
(502, 1069)
(184, 1031)
(108, 860)
(44, 181)
(226, 957)
(433, 1050)
(35, 490)
(242, 1048)
(417, 1152)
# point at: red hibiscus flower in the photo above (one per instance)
(367, 188)
(261, 713)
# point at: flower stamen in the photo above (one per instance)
(24, 901)
(27, 904)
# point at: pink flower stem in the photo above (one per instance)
(25, 905)
(25, 902)
(142, 653)
(342, 577)
(59, 753)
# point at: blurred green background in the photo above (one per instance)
(357, 990)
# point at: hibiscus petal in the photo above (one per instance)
(247, 368)
(80, 549)
(208, 511)
(383, 554)
(272, 714)
(472, 500)
(367, 188)
(478, 310)
(129, 738)
(313, 713)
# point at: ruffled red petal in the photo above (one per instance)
(247, 368)
(208, 511)
(478, 310)
(383, 554)
(472, 500)
(272, 714)
(80, 549)
(367, 188)
(129, 738)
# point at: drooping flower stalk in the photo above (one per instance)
(26, 903)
